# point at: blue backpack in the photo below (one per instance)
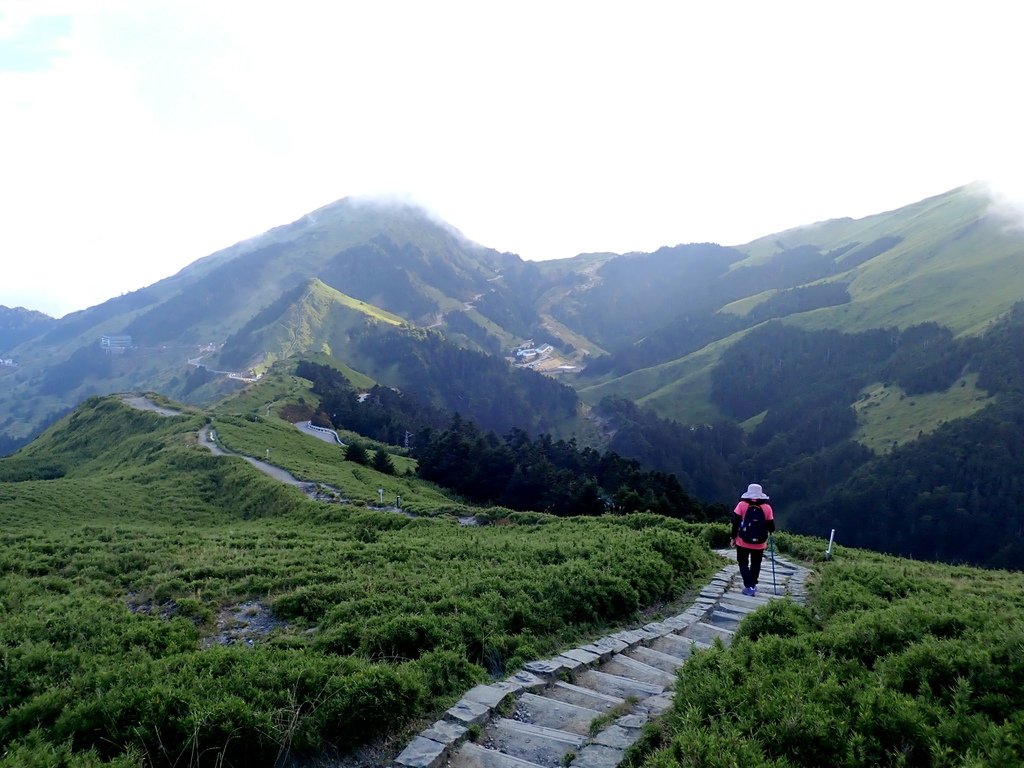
(754, 526)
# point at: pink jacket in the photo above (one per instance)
(741, 510)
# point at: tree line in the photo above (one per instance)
(516, 471)
(945, 496)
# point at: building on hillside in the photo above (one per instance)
(116, 343)
(6, 362)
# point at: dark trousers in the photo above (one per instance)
(749, 561)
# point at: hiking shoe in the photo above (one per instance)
(753, 591)
(748, 591)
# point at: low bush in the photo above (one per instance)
(892, 664)
(111, 578)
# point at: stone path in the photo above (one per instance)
(584, 707)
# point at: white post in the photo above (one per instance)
(831, 538)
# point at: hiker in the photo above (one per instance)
(752, 521)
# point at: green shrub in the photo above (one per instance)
(783, 618)
(906, 665)
(402, 637)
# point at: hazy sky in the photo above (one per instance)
(137, 136)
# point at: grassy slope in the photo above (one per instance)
(679, 389)
(893, 663)
(388, 619)
(886, 417)
(319, 322)
(958, 264)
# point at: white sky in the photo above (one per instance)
(137, 136)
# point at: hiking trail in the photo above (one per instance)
(585, 706)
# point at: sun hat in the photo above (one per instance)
(754, 492)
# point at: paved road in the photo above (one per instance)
(327, 437)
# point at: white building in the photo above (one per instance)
(116, 342)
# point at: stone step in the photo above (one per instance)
(636, 675)
(472, 755)
(598, 756)
(583, 697)
(617, 685)
(655, 705)
(730, 606)
(739, 612)
(663, 661)
(707, 633)
(552, 713)
(724, 620)
(617, 737)
(422, 753)
(623, 665)
(678, 646)
(736, 598)
(534, 743)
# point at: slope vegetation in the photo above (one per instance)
(163, 605)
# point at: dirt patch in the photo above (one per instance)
(165, 610)
(145, 404)
(243, 624)
(329, 494)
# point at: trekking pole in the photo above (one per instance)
(771, 547)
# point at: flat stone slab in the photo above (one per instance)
(469, 712)
(583, 697)
(631, 637)
(422, 753)
(616, 685)
(547, 668)
(623, 665)
(618, 737)
(681, 621)
(727, 605)
(658, 628)
(544, 746)
(582, 655)
(676, 646)
(706, 633)
(664, 661)
(491, 695)
(598, 756)
(552, 713)
(445, 732)
(569, 665)
(738, 598)
(637, 720)
(526, 681)
(657, 704)
(472, 755)
(609, 642)
(728, 621)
